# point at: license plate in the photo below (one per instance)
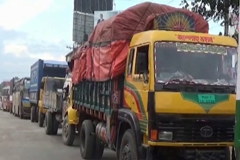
(206, 98)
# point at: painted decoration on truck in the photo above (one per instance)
(135, 98)
(190, 47)
(206, 101)
(194, 38)
(177, 21)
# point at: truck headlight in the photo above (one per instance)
(165, 135)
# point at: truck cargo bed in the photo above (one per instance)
(99, 96)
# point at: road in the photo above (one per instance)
(23, 140)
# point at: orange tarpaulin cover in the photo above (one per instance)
(104, 57)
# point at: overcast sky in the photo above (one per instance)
(33, 29)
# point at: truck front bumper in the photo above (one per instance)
(188, 152)
(192, 144)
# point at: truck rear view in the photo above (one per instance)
(40, 69)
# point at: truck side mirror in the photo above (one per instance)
(145, 76)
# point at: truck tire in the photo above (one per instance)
(40, 119)
(87, 140)
(15, 114)
(48, 123)
(68, 132)
(36, 114)
(128, 146)
(55, 125)
(33, 114)
(233, 154)
(228, 154)
(99, 149)
(20, 113)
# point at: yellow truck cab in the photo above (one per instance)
(180, 86)
(69, 115)
(175, 101)
(50, 100)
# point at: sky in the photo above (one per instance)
(33, 29)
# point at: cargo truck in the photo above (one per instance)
(40, 70)
(69, 127)
(5, 98)
(236, 149)
(12, 94)
(155, 85)
(21, 103)
(51, 100)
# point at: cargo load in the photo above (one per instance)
(104, 56)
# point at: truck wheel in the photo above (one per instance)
(55, 125)
(21, 116)
(128, 148)
(87, 140)
(20, 113)
(36, 114)
(48, 123)
(99, 149)
(228, 154)
(68, 132)
(10, 110)
(33, 114)
(15, 114)
(40, 119)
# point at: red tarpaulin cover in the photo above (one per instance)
(104, 57)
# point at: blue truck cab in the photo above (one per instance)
(40, 69)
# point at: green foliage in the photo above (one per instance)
(235, 36)
(211, 9)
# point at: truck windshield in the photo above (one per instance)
(5, 92)
(58, 84)
(54, 84)
(204, 64)
(26, 84)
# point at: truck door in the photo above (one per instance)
(137, 85)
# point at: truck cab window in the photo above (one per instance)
(142, 59)
(130, 61)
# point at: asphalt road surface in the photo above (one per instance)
(23, 140)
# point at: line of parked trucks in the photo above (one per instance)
(170, 95)
(40, 97)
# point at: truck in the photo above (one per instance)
(154, 84)
(51, 100)
(41, 70)
(69, 128)
(21, 103)
(12, 83)
(236, 149)
(5, 98)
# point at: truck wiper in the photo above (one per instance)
(179, 81)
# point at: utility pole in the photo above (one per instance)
(226, 18)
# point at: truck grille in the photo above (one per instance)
(201, 128)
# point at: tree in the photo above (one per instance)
(215, 10)
(235, 36)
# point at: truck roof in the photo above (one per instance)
(191, 37)
(7, 87)
(48, 62)
(55, 62)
